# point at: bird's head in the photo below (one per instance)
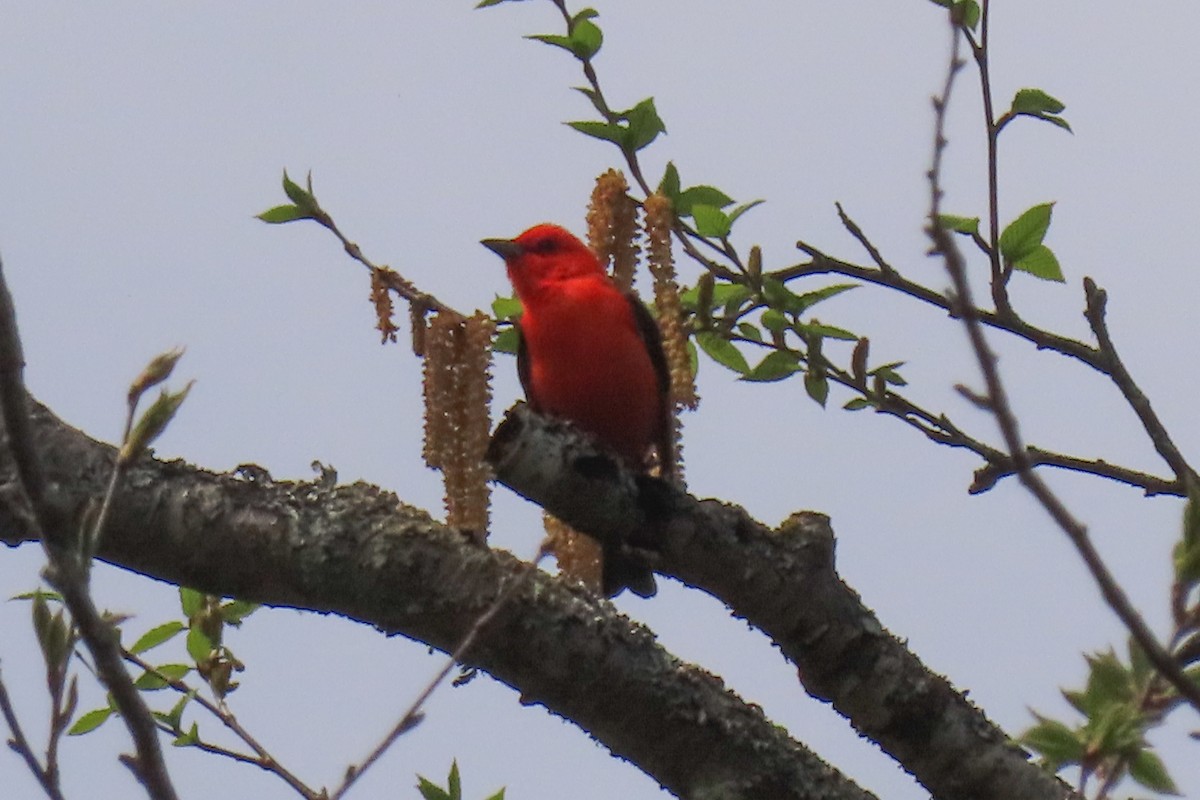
(543, 255)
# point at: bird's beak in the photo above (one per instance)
(505, 248)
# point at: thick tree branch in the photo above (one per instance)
(356, 551)
(784, 583)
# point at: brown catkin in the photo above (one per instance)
(457, 419)
(659, 221)
(381, 298)
(612, 227)
(578, 556)
(438, 386)
(475, 423)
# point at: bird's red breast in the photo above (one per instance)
(591, 353)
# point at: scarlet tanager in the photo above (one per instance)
(590, 354)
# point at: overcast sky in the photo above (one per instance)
(139, 139)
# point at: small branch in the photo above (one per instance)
(413, 715)
(1097, 300)
(855, 231)
(65, 570)
(997, 396)
(999, 275)
(261, 758)
(47, 778)
(823, 264)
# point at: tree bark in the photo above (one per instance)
(357, 551)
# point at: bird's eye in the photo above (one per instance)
(545, 246)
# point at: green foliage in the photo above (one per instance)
(1186, 556)
(1021, 244)
(968, 226)
(1120, 702)
(963, 12)
(453, 791)
(303, 206)
(1039, 105)
(722, 351)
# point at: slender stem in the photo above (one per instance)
(1000, 275)
(65, 570)
(262, 758)
(413, 715)
(997, 398)
(46, 777)
(1097, 300)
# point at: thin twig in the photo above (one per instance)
(997, 397)
(412, 716)
(1097, 300)
(46, 777)
(1000, 275)
(823, 264)
(64, 571)
(261, 758)
(857, 232)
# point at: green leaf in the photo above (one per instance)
(774, 320)
(1149, 770)
(1057, 744)
(1041, 263)
(1109, 682)
(593, 97)
(281, 214)
(609, 132)
(297, 193)
(174, 717)
(497, 796)
(199, 646)
(153, 422)
(669, 185)
(711, 221)
(586, 38)
(506, 341)
(700, 195)
(968, 226)
(644, 124)
(889, 373)
(553, 39)
(858, 404)
(779, 297)
(90, 721)
(968, 12)
(192, 737)
(453, 782)
(430, 790)
(810, 299)
(1035, 101)
(488, 3)
(828, 331)
(1025, 233)
(161, 676)
(190, 601)
(778, 364)
(722, 351)
(742, 209)
(233, 612)
(506, 307)
(157, 635)
(817, 386)
(749, 331)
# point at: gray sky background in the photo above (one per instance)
(139, 139)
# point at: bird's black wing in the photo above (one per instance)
(652, 337)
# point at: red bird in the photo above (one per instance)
(591, 354)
